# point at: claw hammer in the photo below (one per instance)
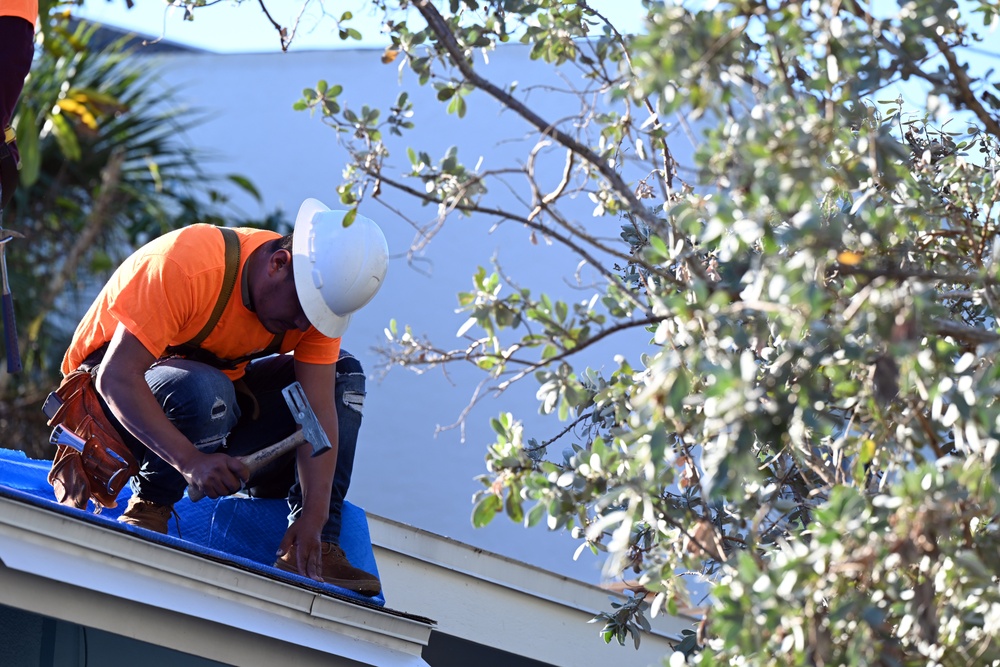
(310, 432)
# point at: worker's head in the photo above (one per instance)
(320, 274)
(337, 269)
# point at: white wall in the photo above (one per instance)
(403, 471)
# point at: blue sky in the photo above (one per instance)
(227, 27)
(230, 27)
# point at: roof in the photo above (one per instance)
(106, 35)
(64, 563)
(492, 600)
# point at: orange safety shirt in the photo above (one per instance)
(165, 293)
(26, 9)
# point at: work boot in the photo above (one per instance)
(146, 514)
(337, 570)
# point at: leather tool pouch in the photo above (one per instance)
(100, 471)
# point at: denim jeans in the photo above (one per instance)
(237, 419)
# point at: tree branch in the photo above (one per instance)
(621, 326)
(967, 97)
(447, 39)
(473, 208)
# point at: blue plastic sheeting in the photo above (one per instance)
(243, 531)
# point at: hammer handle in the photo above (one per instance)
(10, 335)
(260, 459)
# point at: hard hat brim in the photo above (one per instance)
(319, 315)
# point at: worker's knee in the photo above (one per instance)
(198, 399)
(350, 383)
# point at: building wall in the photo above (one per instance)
(32, 640)
(407, 468)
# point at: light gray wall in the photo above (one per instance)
(403, 471)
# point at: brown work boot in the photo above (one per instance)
(337, 570)
(145, 514)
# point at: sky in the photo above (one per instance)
(230, 27)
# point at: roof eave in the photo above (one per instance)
(43, 552)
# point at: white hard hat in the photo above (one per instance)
(337, 269)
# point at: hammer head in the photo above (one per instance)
(314, 434)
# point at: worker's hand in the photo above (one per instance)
(215, 475)
(304, 535)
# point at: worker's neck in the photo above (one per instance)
(249, 274)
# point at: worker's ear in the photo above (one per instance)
(281, 260)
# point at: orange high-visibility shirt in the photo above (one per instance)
(166, 291)
(26, 9)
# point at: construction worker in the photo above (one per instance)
(185, 408)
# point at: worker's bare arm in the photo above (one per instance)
(121, 381)
(315, 473)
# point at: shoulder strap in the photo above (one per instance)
(192, 349)
(232, 241)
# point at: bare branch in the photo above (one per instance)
(447, 39)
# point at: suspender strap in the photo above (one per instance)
(232, 241)
(192, 349)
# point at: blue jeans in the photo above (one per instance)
(237, 419)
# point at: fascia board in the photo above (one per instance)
(93, 558)
(488, 598)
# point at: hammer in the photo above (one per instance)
(310, 432)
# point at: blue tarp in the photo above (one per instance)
(242, 531)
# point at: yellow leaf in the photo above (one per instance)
(389, 55)
(867, 450)
(74, 107)
(849, 258)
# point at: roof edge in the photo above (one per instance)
(179, 587)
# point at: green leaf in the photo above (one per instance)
(486, 509)
(514, 507)
(246, 185)
(63, 132)
(350, 216)
(535, 515)
(27, 145)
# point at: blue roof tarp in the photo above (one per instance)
(242, 531)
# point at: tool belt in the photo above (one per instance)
(91, 461)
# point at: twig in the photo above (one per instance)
(447, 39)
(631, 324)
(967, 98)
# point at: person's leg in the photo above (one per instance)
(17, 47)
(350, 397)
(265, 378)
(200, 401)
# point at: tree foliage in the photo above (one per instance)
(813, 425)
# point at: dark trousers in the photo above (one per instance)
(17, 38)
(218, 416)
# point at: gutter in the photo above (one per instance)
(66, 568)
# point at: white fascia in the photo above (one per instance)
(73, 570)
(498, 601)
